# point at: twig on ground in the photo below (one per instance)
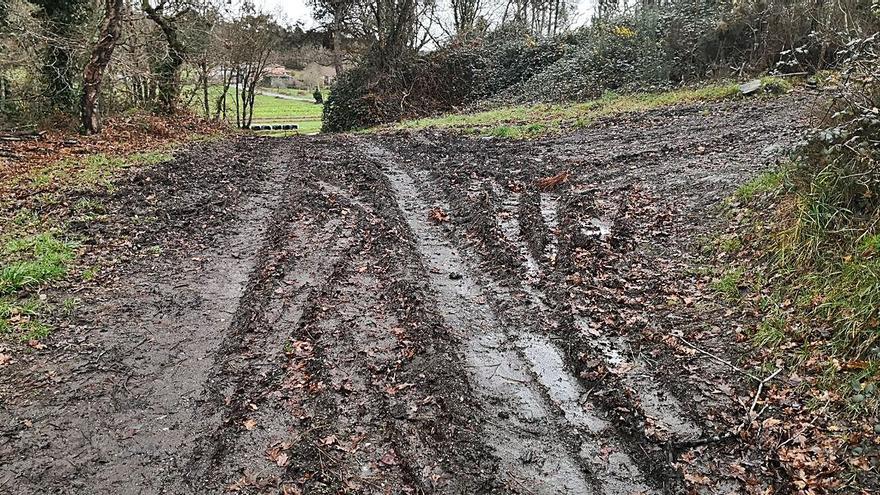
(739, 428)
(720, 360)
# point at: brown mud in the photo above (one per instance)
(406, 313)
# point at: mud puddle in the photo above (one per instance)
(660, 406)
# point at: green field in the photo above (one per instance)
(270, 109)
(299, 93)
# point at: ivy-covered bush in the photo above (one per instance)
(607, 56)
(652, 48)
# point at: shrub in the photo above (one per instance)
(651, 48)
(825, 238)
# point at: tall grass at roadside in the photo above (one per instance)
(816, 221)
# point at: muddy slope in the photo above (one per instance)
(404, 313)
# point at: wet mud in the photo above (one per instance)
(402, 313)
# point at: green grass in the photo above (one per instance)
(776, 85)
(32, 261)
(729, 244)
(20, 320)
(728, 284)
(299, 93)
(87, 173)
(529, 121)
(770, 333)
(266, 107)
(270, 109)
(766, 182)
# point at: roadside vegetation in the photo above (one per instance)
(55, 183)
(821, 244)
(647, 48)
(540, 119)
(802, 255)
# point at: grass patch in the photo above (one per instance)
(729, 244)
(728, 284)
(767, 182)
(302, 111)
(529, 121)
(32, 261)
(811, 247)
(90, 173)
(776, 85)
(20, 320)
(770, 333)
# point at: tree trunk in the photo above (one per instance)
(207, 103)
(337, 57)
(167, 71)
(93, 74)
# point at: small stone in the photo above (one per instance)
(750, 87)
(858, 398)
(877, 429)
(454, 276)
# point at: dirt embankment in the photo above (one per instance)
(409, 313)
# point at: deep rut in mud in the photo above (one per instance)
(547, 441)
(400, 314)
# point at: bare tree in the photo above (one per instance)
(393, 27)
(168, 68)
(93, 75)
(543, 17)
(338, 16)
(254, 37)
(464, 15)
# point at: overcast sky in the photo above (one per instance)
(293, 10)
(298, 10)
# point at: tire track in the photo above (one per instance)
(658, 404)
(250, 357)
(533, 432)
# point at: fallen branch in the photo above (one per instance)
(720, 360)
(735, 432)
(22, 136)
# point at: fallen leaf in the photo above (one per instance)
(249, 424)
(437, 215)
(36, 344)
(389, 459)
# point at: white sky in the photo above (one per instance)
(291, 10)
(298, 11)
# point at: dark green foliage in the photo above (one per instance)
(348, 106)
(650, 48)
(447, 78)
(608, 56)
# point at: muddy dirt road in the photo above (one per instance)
(406, 313)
